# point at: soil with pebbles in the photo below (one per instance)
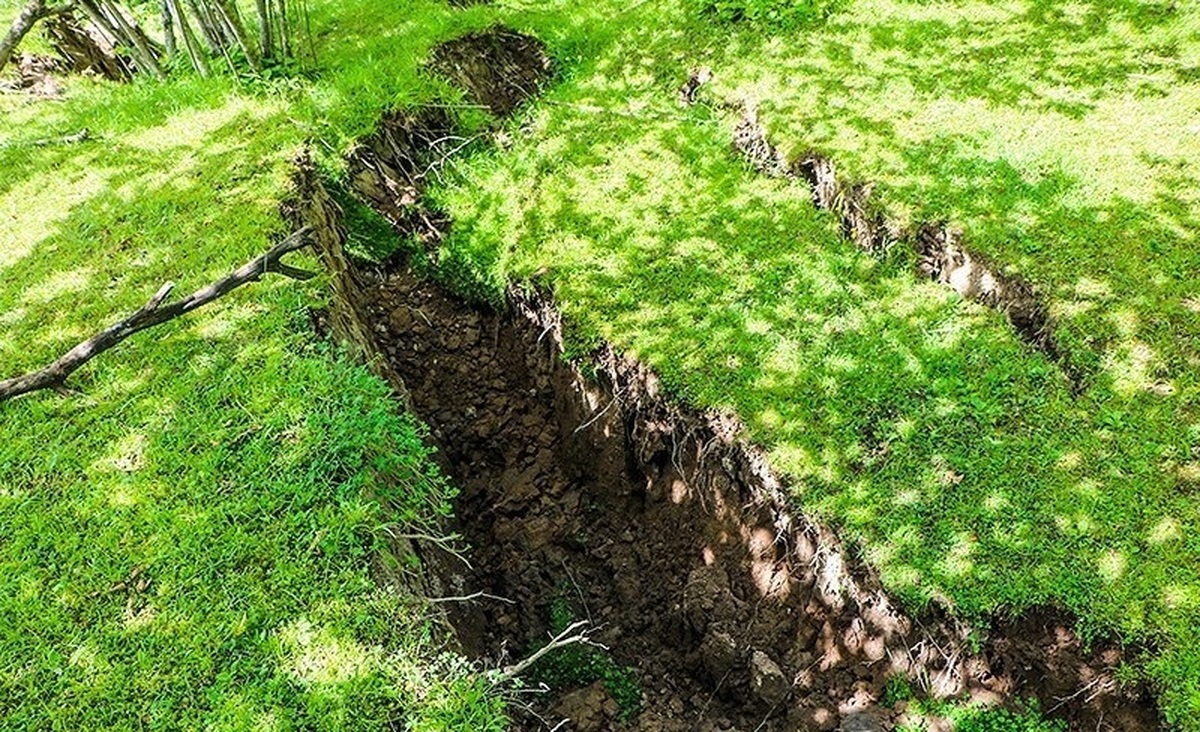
(656, 522)
(659, 525)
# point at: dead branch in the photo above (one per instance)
(576, 633)
(153, 313)
(72, 139)
(470, 598)
(446, 543)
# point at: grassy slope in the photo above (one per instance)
(913, 420)
(229, 471)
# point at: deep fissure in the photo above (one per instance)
(653, 520)
(660, 525)
(943, 256)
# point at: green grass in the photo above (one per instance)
(194, 540)
(576, 666)
(237, 465)
(914, 421)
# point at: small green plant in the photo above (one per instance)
(991, 719)
(463, 702)
(576, 666)
(782, 13)
(897, 689)
(969, 717)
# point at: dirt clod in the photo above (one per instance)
(391, 168)
(590, 709)
(767, 680)
(861, 722)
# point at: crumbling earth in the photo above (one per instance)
(659, 525)
(655, 522)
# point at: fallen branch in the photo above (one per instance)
(153, 313)
(73, 139)
(575, 634)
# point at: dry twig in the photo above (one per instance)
(574, 634)
(153, 313)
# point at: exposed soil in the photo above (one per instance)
(390, 168)
(942, 255)
(498, 68)
(36, 75)
(660, 526)
(655, 522)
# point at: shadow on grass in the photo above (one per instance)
(956, 457)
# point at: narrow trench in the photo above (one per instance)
(658, 525)
(604, 499)
(942, 255)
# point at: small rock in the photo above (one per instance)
(707, 598)
(861, 722)
(813, 719)
(767, 679)
(586, 708)
(719, 652)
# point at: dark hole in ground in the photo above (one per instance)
(498, 68)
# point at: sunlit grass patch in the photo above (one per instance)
(215, 482)
(229, 462)
(1057, 135)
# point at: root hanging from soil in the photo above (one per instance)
(391, 168)
(498, 68)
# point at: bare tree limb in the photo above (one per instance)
(470, 598)
(574, 634)
(153, 313)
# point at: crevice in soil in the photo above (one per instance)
(654, 520)
(497, 68)
(943, 257)
(659, 524)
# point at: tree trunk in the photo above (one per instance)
(168, 25)
(195, 53)
(233, 22)
(212, 36)
(146, 57)
(265, 42)
(26, 19)
(285, 50)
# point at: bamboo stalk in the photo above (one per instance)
(146, 56)
(195, 54)
(265, 40)
(168, 26)
(233, 22)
